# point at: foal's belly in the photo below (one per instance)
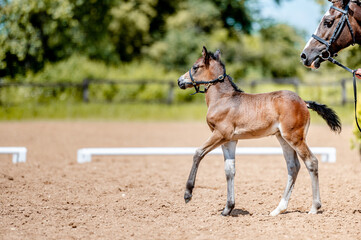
(257, 132)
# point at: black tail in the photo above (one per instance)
(326, 113)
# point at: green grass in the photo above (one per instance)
(130, 112)
(102, 111)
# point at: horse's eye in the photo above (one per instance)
(328, 23)
(195, 67)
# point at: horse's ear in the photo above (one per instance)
(217, 55)
(205, 55)
(204, 51)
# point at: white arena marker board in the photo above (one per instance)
(19, 153)
(328, 154)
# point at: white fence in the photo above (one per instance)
(19, 153)
(328, 154)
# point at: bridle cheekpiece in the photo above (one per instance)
(341, 24)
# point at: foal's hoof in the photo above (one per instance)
(276, 212)
(314, 210)
(226, 212)
(187, 197)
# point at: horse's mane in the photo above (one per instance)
(236, 88)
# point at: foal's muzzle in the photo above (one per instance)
(181, 83)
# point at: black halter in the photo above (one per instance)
(341, 24)
(209, 83)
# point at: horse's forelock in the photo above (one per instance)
(341, 3)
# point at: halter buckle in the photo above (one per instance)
(221, 77)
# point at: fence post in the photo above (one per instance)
(296, 84)
(85, 87)
(170, 97)
(344, 94)
(253, 86)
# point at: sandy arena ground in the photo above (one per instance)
(51, 196)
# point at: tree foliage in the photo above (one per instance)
(34, 32)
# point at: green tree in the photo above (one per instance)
(138, 23)
(280, 51)
(33, 31)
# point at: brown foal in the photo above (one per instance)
(233, 115)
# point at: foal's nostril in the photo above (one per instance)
(303, 56)
(181, 84)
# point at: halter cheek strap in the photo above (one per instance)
(209, 83)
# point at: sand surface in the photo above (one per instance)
(51, 196)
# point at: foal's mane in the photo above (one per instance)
(236, 88)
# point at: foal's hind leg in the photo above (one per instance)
(229, 152)
(293, 167)
(215, 140)
(311, 163)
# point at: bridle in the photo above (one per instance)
(326, 55)
(196, 84)
(341, 24)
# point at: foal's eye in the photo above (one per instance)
(328, 23)
(195, 67)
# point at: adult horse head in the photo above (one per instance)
(339, 28)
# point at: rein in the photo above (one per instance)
(332, 60)
(209, 83)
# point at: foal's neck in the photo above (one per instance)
(219, 90)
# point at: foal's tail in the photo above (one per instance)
(326, 113)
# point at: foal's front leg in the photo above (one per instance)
(229, 153)
(213, 141)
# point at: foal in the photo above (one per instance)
(233, 115)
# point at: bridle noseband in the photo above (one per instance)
(220, 78)
(341, 24)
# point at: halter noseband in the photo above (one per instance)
(344, 19)
(209, 83)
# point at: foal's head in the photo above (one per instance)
(335, 32)
(206, 68)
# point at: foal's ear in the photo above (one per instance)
(205, 55)
(204, 51)
(217, 55)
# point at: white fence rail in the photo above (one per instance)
(19, 153)
(328, 154)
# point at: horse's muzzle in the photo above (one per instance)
(312, 61)
(181, 83)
